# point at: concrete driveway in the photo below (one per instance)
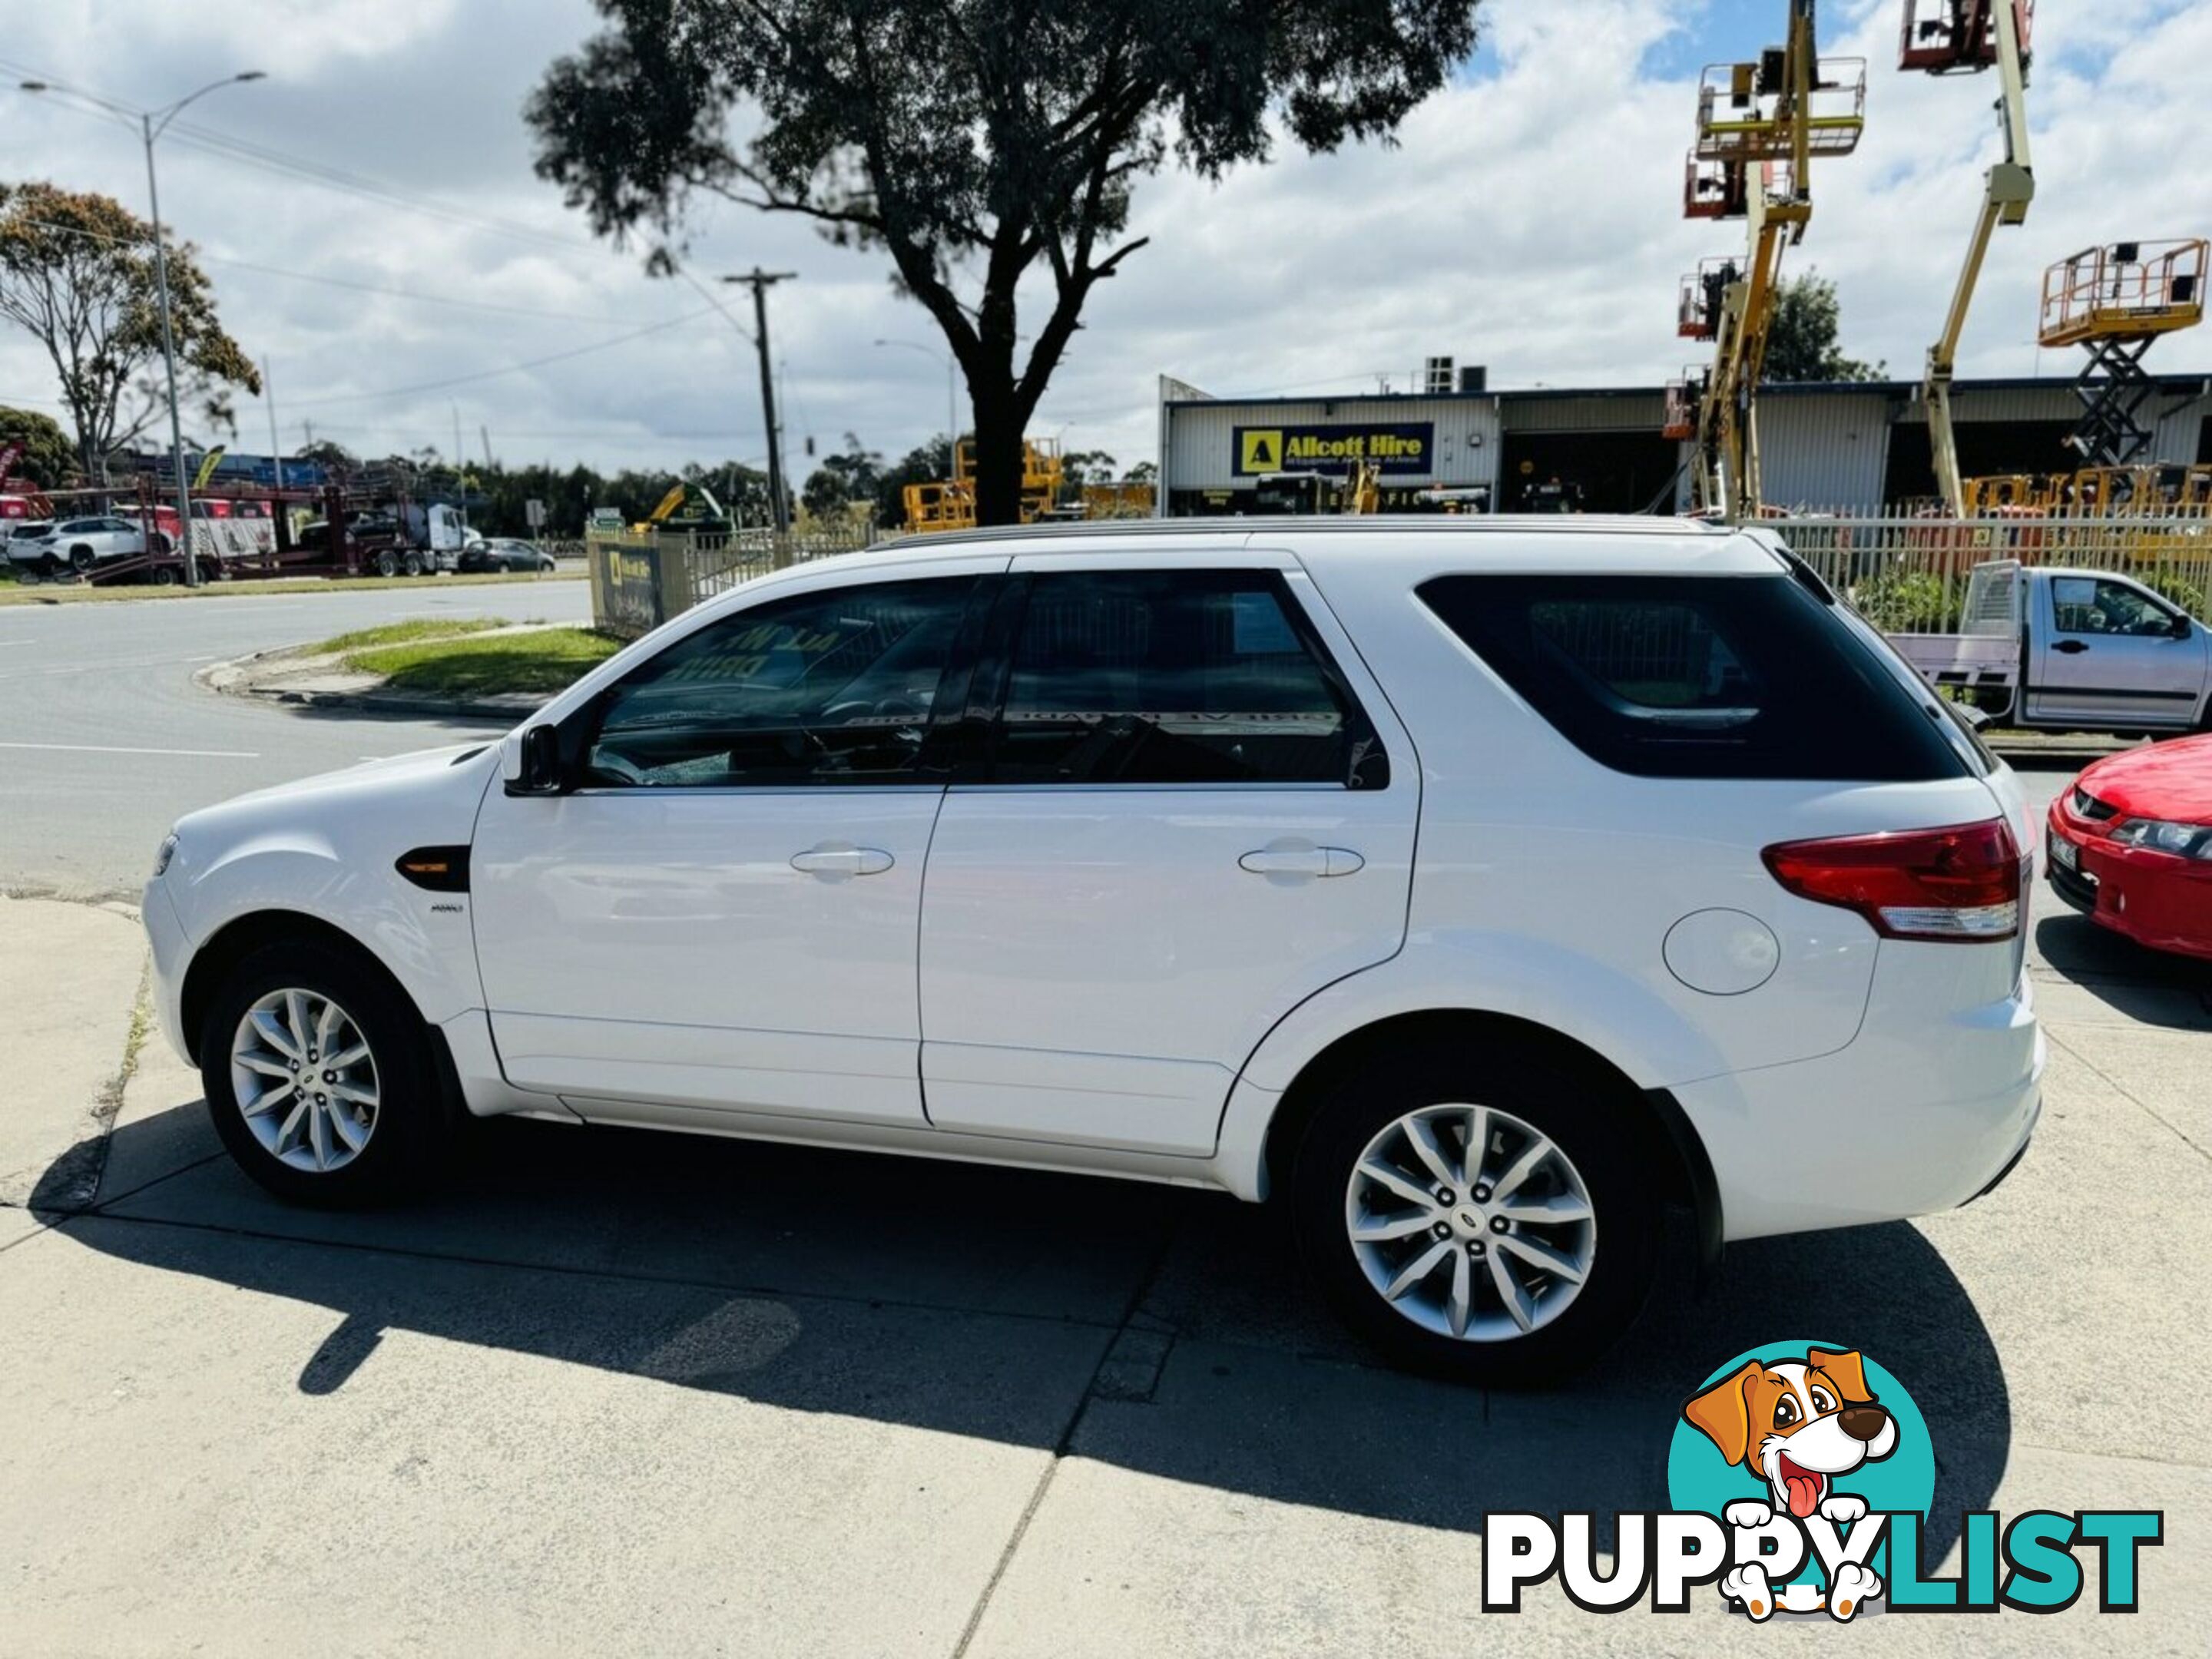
(625, 1392)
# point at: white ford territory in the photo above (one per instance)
(1485, 891)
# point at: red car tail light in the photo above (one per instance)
(1961, 884)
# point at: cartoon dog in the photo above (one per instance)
(1800, 1425)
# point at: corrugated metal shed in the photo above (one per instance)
(1582, 411)
(2181, 427)
(1820, 446)
(2051, 401)
(1824, 451)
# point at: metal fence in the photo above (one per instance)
(639, 578)
(1909, 575)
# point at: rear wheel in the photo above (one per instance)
(319, 1077)
(164, 576)
(80, 559)
(412, 564)
(1487, 1218)
(387, 563)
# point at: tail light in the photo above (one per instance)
(1961, 884)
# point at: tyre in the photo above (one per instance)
(412, 564)
(319, 1077)
(387, 563)
(164, 575)
(80, 559)
(1486, 1218)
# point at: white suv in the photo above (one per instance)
(1483, 890)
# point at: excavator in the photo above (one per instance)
(1760, 124)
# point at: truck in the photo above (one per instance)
(2056, 648)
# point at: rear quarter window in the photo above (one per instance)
(1714, 677)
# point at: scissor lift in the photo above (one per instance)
(2115, 301)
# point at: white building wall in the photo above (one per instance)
(1200, 447)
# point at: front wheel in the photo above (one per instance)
(1485, 1219)
(320, 1078)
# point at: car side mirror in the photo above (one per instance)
(535, 767)
(2181, 627)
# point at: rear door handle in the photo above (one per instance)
(836, 862)
(1297, 861)
(2071, 647)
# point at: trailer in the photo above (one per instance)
(260, 532)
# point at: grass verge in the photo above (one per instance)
(419, 631)
(475, 664)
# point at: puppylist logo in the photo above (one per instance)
(1799, 1477)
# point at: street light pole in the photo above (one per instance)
(951, 397)
(169, 357)
(151, 126)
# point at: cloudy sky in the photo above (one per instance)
(1529, 220)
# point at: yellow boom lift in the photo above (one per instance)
(1950, 37)
(1759, 126)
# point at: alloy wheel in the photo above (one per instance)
(305, 1080)
(1470, 1222)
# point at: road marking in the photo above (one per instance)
(110, 749)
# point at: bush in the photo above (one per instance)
(1904, 602)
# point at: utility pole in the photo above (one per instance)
(460, 472)
(276, 449)
(759, 281)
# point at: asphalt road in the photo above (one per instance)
(105, 740)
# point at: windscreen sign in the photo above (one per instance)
(1394, 447)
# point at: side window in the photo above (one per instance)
(1698, 677)
(826, 688)
(2130, 610)
(1175, 677)
(2090, 605)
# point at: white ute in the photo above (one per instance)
(1487, 891)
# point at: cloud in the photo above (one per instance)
(1528, 219)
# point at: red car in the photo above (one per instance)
(2130, 845)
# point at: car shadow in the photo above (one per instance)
(1160, 1329)
(2153, 987)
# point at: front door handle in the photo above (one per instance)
(836, 861)
(2071, 647)
(1300, 861)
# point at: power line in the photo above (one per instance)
(491, 373)
(338, 281)
(212, 140)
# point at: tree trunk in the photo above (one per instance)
(998, 449)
